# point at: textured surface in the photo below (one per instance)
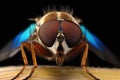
(60, 73)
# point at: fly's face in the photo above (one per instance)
(59, 32)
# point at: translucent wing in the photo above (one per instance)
(13, 46)
(98, 47)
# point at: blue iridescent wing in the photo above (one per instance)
(98, 47)
(13, 46)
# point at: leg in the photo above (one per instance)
(27, 45)
(83, 62)
(74, 52)
(34, 61)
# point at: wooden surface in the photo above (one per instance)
(59, 73)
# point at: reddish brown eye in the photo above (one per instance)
(48, 32)
(72, 33)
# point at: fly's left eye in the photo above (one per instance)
(72, 33)
(48, 32)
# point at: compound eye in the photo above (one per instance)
(72, 33)
(48, 32)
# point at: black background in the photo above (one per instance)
(101, 18)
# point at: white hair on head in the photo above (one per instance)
(54, 8)
(52, 12)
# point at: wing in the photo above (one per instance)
(13, 46)
(99, 48)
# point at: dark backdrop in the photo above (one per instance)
(101, 18)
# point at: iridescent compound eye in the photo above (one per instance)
(49, 30)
